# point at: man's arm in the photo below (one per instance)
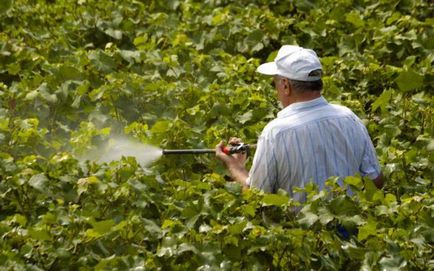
(235, 163)
(370, 166)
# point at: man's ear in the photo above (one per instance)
(287, 87)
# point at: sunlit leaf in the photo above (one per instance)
(104, 226)
(39, 234)
(39, 182)
(355, 18)
(308, 219)
(274, 199)
(383, 100)
(370, 228)
(409, 79)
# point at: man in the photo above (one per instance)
(310, 140)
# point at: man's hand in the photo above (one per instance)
(379, 181)
(235, 163)
(238, 158)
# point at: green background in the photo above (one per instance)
(181, 74)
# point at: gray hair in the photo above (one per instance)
(305, 86)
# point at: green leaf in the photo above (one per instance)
(102, 61)
(254, 40)
(114, 33)
(378, 196)
(370, 228)
(105, 263)
(245, 117)
(103, 226)
(161, 126)
(249, 210)
(355, 18)
(343, 205)
(4, 124)
(5, 5)
(274, 199)
(272, 56)
(392, 263)
(130, 56)
(83, 184)
(308, 219)
(167, 248)
(20, 219)
(39, 234)
(219, 18)
(325, 216)
(120, 226)
(233, 188)
(383, 100)
(389, 199)
(352, 221)
(39, 182)
(237, 228)
(430, 146)
(353, 180)
(409, 79)
(151, 227)
(140, 42)
(49, 218)
(370, 189)
(14, 68)
(92, 234)
(67, 72)
(420, 98)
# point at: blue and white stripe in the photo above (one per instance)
(312, 141)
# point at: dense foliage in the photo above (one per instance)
(181, 74)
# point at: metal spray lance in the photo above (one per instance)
(237, 148)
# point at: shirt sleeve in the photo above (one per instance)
(369, 165)
(263, 173)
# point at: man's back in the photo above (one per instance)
(312, 141)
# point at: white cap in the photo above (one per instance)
(293, 62)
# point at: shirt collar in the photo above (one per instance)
(300, 106)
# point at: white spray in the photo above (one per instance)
(119, 146)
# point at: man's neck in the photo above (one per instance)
(306, 96)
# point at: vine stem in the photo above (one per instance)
(115, 108)
(17, 196)
(282, 254)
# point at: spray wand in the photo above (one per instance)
(238, 148)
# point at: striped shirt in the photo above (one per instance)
(310, 142)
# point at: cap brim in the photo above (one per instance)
(269, 68)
